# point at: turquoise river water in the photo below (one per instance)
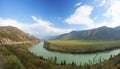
(69, 58)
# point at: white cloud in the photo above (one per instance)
(78, 4)
(41, 27)
(103, 2)
(81, 16)
(96, 25)
(95, 18)
(113, 12)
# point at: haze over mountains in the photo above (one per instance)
(101, 33)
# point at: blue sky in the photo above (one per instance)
(53, 17)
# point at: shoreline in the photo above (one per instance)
(47, 47)
(34, 43)
(105, 51)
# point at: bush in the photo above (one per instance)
(12, 63)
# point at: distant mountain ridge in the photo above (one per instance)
(101, 33)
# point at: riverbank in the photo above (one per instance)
(78, 59)
(78, 47)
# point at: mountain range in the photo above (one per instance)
(101, 33)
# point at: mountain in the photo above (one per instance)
(117, 28)
(101, 33)
(10, 34)
(50, 37)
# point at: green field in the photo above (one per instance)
(81, 46)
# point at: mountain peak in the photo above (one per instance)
(117, 28)
(101, 33)
(104, 27)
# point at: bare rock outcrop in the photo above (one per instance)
(5, 41)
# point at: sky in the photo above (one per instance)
(53, 17)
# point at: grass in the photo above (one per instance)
(81, 42)
(81, 46)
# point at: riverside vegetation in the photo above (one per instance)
(17, 56)
(81, 46)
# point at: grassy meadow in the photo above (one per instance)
(81, 46)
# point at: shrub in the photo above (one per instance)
(12, 63)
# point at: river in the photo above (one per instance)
(69, 58)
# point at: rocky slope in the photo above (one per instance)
(10, 35)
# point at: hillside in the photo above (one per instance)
(112, 63)
(14, 53)
(101, 33)
(9, 34)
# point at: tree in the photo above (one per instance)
(64, 62)
(55, 59)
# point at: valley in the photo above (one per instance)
(19, 50)
(69, 58)
(59, 34)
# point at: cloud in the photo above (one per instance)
(40, 28)
(78, 4)
(81, 16)
(113, 12)
(104, 23)
(103, 2)
(34, 18)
